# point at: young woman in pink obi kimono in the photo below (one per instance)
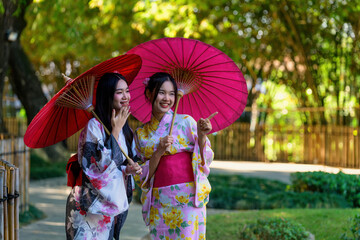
(175, 188)
(97, 207)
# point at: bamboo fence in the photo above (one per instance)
(332, 145)
(9, 207)
(14, 151)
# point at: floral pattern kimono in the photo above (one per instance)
(93, 210)
(177, 211)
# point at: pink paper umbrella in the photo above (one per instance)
(209, 79)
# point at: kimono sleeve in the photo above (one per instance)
(106, 180)
(144, 182)
(202, 185)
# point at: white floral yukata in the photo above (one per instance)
(92, 208)
(176, 211)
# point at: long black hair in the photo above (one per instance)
(156, 81)
(104, 105)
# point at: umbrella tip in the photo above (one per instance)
(66, 78)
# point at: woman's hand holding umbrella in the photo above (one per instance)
(133, 169)
(203, 128)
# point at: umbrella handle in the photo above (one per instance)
(131, 162)
(180, 94)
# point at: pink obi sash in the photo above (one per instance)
(174, 169)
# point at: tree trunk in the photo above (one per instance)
(6, 22)
(24, 81)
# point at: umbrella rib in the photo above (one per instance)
(221, 71)
(215, 89)
(67, 124)
(51, 123)
(205, 60)
(172, 50)
(204, 103)
(216, 65)
(76, 121)
(223, 85)
(208, 78)
(161, 65)
(188, 100)
(58, 123)
(157, 55)
(191, 54)
(209, 100)
(182, 50)
(193, 62)
(197, 106)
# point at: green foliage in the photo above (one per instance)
(238, 192)
(41, 169)
(273, 228)
(308, 46)
(342, 184)
(2, 9)
(354, 229)
(291, 199)
(31, 215)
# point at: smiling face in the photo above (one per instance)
(121, 95)
(164, 101)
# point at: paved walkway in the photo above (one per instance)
(50, 196)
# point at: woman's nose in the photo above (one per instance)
(126, 96)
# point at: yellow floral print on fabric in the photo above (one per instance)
(154, 216)
(204, 192)
(182, 198)
(173, 218)
(156, 194)
(182, 141)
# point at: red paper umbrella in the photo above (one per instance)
(70, 109)
(209, 79)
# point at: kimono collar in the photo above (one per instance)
(154, 124)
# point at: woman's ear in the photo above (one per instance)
(148, 94)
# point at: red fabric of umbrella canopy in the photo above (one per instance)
(210, 80)
(55, 123)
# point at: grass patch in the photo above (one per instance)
(325, 224)
(30, 216)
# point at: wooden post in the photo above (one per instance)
(5, 195)
(16, 204)
(27, 181)
(11, 193)
(2, 173)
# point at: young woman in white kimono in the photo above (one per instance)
(97, 207)
(174, 168)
